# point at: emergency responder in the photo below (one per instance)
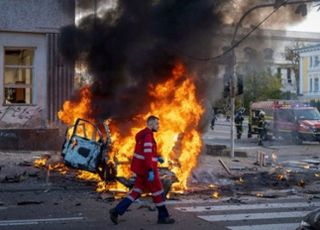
(238, 119)
(144, 166)
(214, 118)
(261, 127)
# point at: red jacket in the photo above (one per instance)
(145, 156)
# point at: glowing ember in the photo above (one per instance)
(240, 180)
(213, 186)
(58, 167)
(259, 194)
(178, 140)
(216, 195)
(281, 177)
(40, 163)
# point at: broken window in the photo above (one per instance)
(18, 75)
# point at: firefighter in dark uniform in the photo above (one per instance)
(261, 127)
(238, 122)
(144, 167)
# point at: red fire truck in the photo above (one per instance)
(292, 120)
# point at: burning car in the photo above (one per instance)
(87, 147)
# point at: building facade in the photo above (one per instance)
(264, 50)
(309, 67)
(34, 80)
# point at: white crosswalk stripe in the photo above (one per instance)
(280, 214)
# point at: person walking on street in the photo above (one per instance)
(144, 167)
(214, 118)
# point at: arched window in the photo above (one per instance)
(268, 54)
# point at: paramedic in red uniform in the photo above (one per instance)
(144, 166)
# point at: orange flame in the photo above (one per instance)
(178, 140)
(71, 111)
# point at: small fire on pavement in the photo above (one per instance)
(216, 195)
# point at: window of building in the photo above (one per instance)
(316, 84)
(279, 71)
(289, 76)
(310, 89)
(316, 61)
(268, 54)
(18, 75)
(310, 62)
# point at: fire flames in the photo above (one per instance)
(179, 142)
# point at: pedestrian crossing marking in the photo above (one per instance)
(253, 216)
(247, 206)
(287, 226)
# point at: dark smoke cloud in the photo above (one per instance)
(139, 42)
(136, 44)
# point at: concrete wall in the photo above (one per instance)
(36, 15)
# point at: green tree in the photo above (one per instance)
(261, 86)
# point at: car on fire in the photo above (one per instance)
(87, 146)
(292, 120)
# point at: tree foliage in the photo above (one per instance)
(261, 86)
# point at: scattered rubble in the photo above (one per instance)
(25, 164)
(15, 178)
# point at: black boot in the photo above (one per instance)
(114, 215)
(166, 220)
(120, 209)
(163, 216)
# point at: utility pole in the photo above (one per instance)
(232, 101)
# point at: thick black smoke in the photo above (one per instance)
(139, 42)
(136, 44)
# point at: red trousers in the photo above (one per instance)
(142, 185)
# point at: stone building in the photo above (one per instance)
(34, 80)
(309, 67)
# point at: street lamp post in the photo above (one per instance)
(276, 5)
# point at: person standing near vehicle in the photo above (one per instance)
(144, 166)
(238, 122)
(261, 127)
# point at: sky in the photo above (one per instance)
(310, 24)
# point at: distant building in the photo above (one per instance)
(265, 49)
(34, 80)
(309, 68)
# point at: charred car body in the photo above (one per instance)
(288, 119)
(87, 147)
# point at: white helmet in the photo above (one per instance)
(262, 114)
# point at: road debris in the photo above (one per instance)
(225, 166)
(17, 178)
(29, 202)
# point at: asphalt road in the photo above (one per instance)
(66, 204)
